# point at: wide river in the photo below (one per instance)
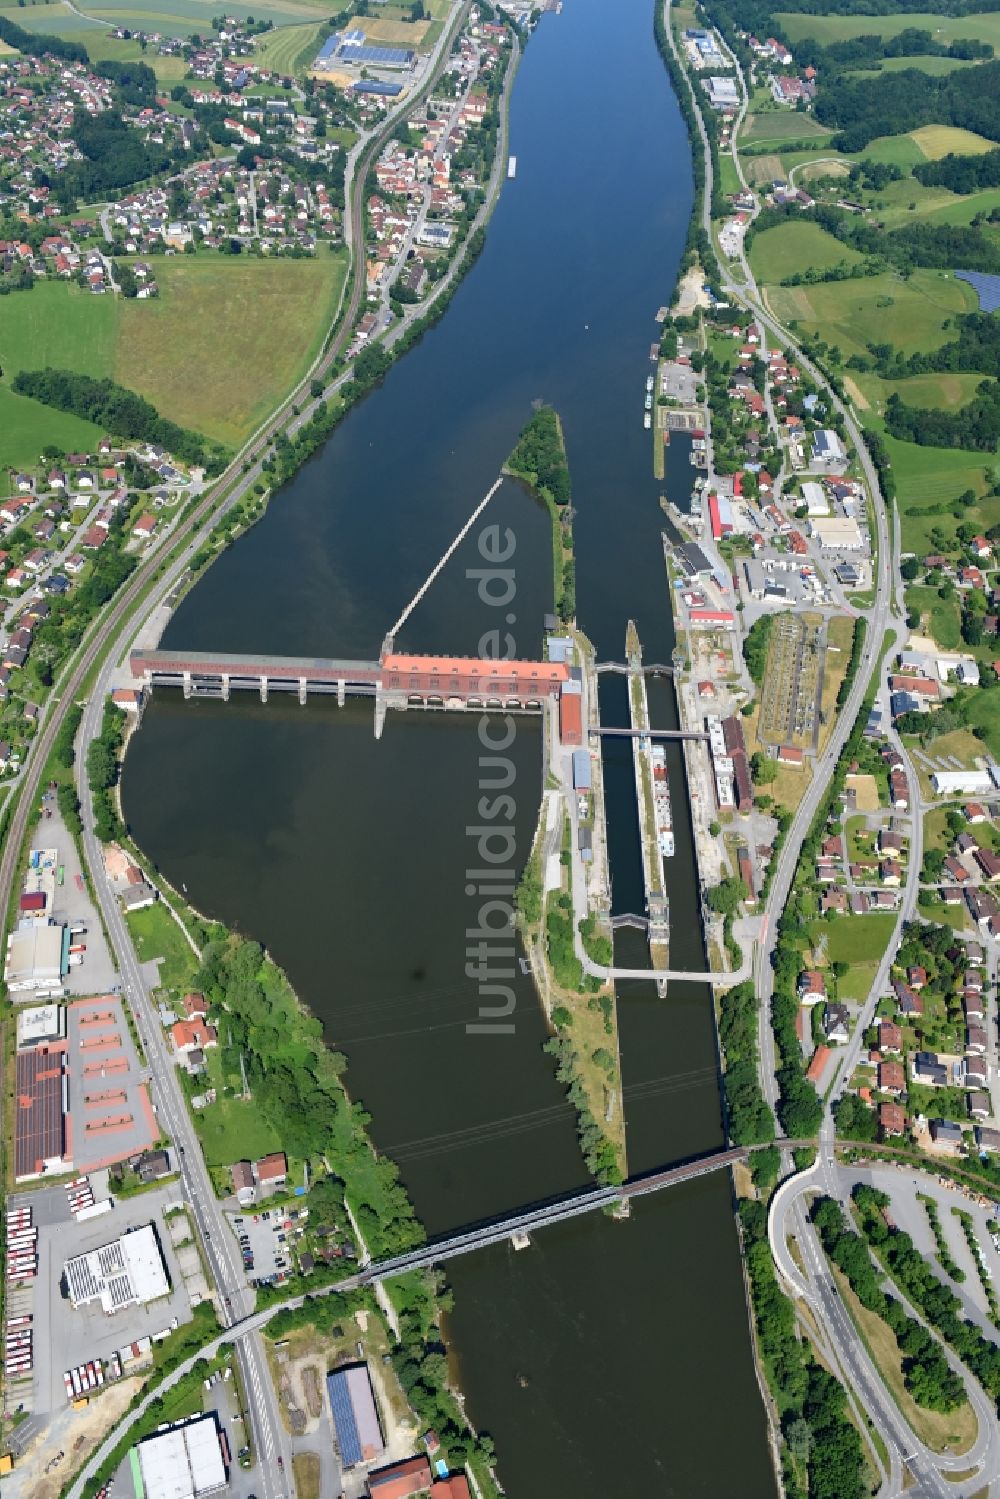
(606, 1348)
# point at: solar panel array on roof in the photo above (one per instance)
(386, 57)
(120, 1273)
(343, 1418)
(38, 1124)
(329, 47)
(355, 1417)
(378, 86)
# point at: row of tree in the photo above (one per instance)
(755, 646)
(922, 245)
(927, 1374)
(103, 770)
(822, 1456)
(894, 103)
(936, 1301)
(976, 350)
(869, 50)
(38, 44)
(116, 410)
(961, 174)
(976, 425)
(750, 1120)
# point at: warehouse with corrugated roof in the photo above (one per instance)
(355, 1416)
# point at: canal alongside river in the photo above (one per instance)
(603, 1359)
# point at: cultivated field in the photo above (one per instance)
(288, 49)
(172, 17)
(936, 141)
(908, 314)
(59, 325)
(927, 63)
(26, 427)
(779, 125)
(896, 151)
(946, 29)
(796, 246)
(939, 617)
(225, 338)
(763, 169)
(180, 17)
(57, 19)
(943, 392)
(103, 47)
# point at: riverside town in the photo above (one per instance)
(500, 749)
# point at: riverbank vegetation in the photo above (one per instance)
(750, 1121)
(418, 1357)
(539, 460)
(103, 766)
(584, 1044)
(295, 1082)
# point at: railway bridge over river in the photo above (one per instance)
(557, 1211)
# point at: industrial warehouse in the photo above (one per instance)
(182, 1463)
(359, 1434)
(119, 1274)
(39, 1122)
(352, 49)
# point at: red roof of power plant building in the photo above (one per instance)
(463, 666)
(570, 718)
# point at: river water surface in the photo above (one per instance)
(610, 1358)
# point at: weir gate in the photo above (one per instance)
(452, 683)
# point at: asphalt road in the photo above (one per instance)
(879, 616)
(269, 1438)
(105, 644)
(816, 1288)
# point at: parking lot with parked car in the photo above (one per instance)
(265, 1237)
